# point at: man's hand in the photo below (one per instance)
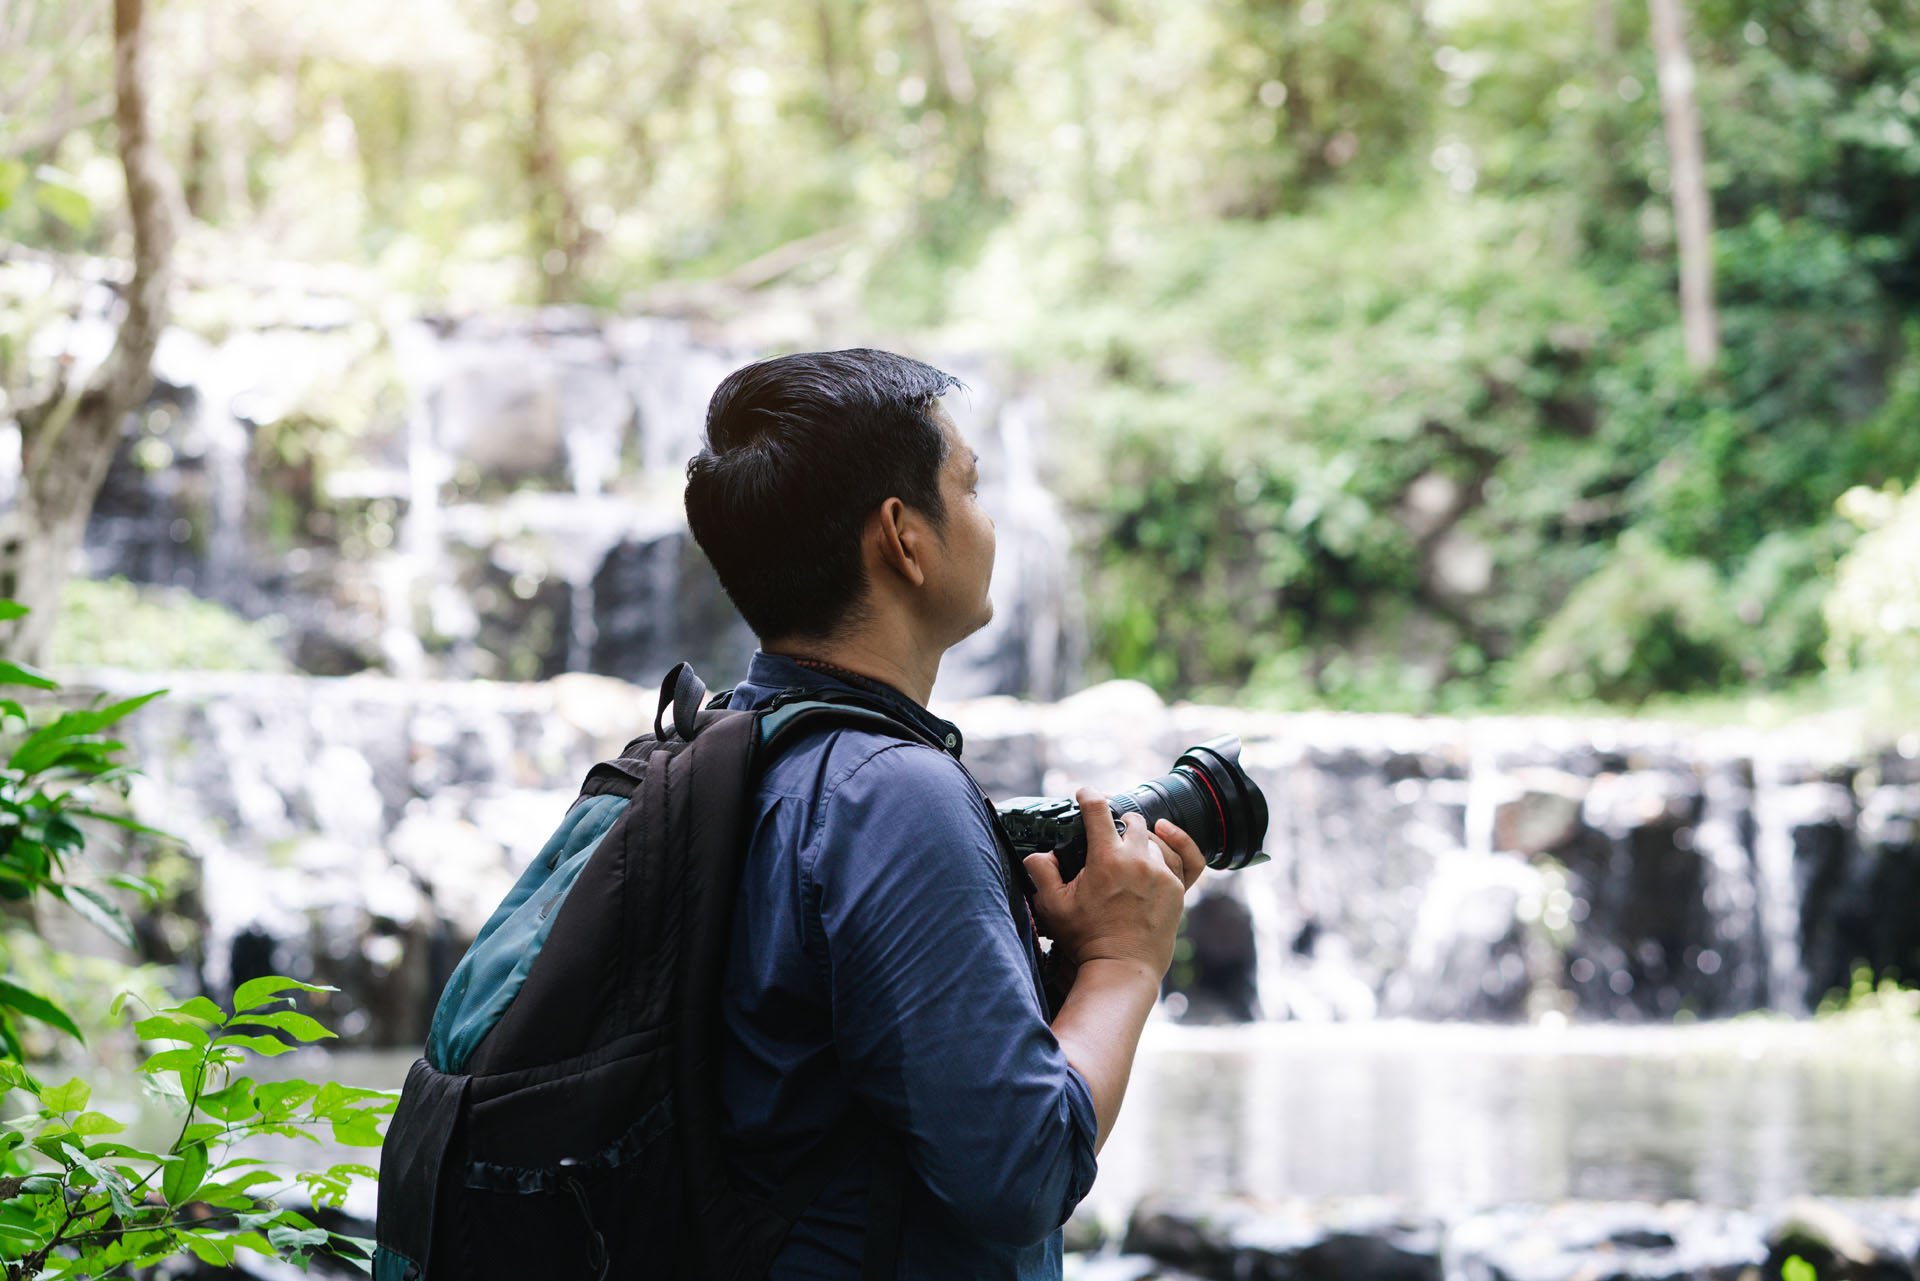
(1125, 904)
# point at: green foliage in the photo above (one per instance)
(1359, 319)
(1647, 621)
(1798, 1269)
(1873, 612)
(75, 1201)
(1866, 999)
(114, 623)
(59, 772)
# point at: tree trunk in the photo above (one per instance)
(1692, 206)
(68, 442)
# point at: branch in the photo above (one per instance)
(50, 136)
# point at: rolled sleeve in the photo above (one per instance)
(935, 1014)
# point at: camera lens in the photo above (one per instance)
(1209, 797)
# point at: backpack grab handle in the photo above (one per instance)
(684, 691)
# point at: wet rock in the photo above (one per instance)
(1215, 963)
(1544, 816)
(1176, 1235)
(1643, 882)
(1835, 1240)
(1581, 1241)
(1829, 880)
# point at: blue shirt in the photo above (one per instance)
(875, 961)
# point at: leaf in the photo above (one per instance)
(175, 1060)
(118, 1003)
(99, 909)
(255, 993)
(232, 1103)
(139, 884)
(209, 1249)
(198, 1008)
(20, 674)
(159, 1027)
(357, 1130)
(297, 1238)
(10, 609)
(116, 1187)
(36, 1006)
(96, 1123)
(245, 1182)
(185, 1175)
(265, 1046)
(299, 1026)
(145, 886)
(278, 1099)
(69, 1096)
(10, 1038)
(55, 193)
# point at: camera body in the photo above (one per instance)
(1207, 795)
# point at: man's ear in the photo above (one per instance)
(897, 535)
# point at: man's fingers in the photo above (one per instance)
(1044, 871)
(1096, 818)
(1191, 862)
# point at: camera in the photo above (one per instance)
(1206, 794)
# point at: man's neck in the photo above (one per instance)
(859, 655)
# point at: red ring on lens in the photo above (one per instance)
(1218, 809)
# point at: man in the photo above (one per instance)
(882, 961)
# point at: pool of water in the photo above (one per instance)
(1447, 1117)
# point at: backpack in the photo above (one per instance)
(564, 1121)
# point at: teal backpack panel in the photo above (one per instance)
(489, 976)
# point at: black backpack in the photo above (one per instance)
(565, 1120)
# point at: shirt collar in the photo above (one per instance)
(770, 673)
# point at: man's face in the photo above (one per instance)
(966, 543)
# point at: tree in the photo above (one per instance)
(1692, 206)
(69, 438)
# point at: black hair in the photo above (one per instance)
(799, 451)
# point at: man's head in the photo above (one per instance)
(825, 469)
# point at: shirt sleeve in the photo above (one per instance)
(934, 1010)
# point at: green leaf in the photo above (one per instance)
(357, 1130)
(39, 1007)
(69, 1096)
(198, 1008)
(232, 1103)
(246, 1182)
(1798, 1269)
(299, 1026)
(145, 886)
(255, 993)
(185, 1175)
(297, 1238)
(118, 1003)
(54, 192)
(109, 1179)
(265, 1046)
(10, 609)
(209, 1250)
(175, 1060)
(278, 1099)
(99, 909)
(159, 1027)
(96, 1123)
(20, 674)
(10, 1038)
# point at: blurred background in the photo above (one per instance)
(1541, 381)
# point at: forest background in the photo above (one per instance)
(1362, 318)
